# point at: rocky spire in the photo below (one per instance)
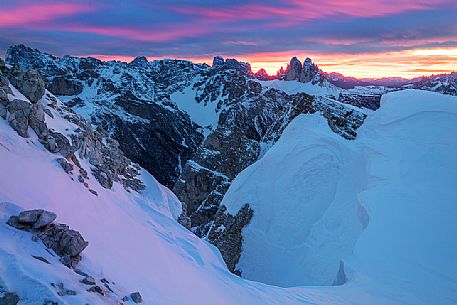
(309, 71)
(293, 69)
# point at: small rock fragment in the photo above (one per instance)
(88, 280)
(136, 297)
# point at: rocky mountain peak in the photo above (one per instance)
(139, 61)
(218, 61)
(293, 70)
(262, 75)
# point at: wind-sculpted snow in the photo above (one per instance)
(383, 204)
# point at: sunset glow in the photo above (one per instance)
(372, 38)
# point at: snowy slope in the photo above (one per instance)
(313, 193)
(134, 240)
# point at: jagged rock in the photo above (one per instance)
(262, 75)
(30, 84)
(226, 235)
(58, 143)
(32, 219)
(309, 71)
(9, 298)
(67, 167)
(40, 258)
(218, 61)
(340, 276)
(3, 111)
(96, 289)
(93, 192)
(88, 280)
(62, 291)
(65, 87)
(125, 299)
(136, 297)
(139, 61)
(19, 116)
(294, 69)
(44, 219)
(64, 241)
(37, 122)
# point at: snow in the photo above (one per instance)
(303, 194)
(313, 193)
(203, 114)
(293, 87)
(402, 171)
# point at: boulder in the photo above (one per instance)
(9, 298)
(30, 84)
(88, 280)
(19, 116)
(32, 219)
(136, 297)
(63, 240)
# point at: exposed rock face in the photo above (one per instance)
(225, 234)
(30, 84)
(66, 243)
(294, 69)
(262, 75)
(130, 101)
(309, 72)
(19, 116)
(63, 86)
(109, 163)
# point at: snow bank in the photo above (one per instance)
(313, 193)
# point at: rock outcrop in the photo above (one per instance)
(66, 243)
(109, 162)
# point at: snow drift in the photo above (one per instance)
(313, 194)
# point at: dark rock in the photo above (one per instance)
(136, 297)
(88, 280)
(218, 61)
(3, 111)
(341, 278)
(30, 84)
(44, 219)
(63, 86)
(19, 116)
(62, 291)
(226, 234)
(9, 298)
(96, 289)
(93, 192)
(40, 258)
(37, 122)
(125, 299)
(80, 272)
(32, 219)
(67, 167)
(293, 70)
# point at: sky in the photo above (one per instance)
(368, 38)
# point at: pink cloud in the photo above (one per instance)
(151, 35)
(30, 14)
(295, 11)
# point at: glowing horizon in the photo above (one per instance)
(373, 38)
(374, 65)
